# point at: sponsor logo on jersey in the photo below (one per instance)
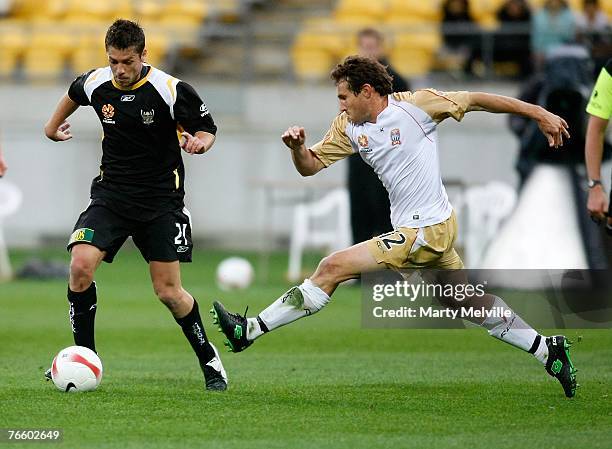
(128, 97)
(182, 249)
(147, 116)
(108, 112)
(204, 110)
(395, 137)
(362, 140)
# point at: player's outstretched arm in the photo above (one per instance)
(57, 128)
(199, 143)
(551, 125)
(597, 203)
(305, 162)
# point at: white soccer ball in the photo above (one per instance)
(76, 368)
(234, 273)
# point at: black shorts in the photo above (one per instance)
(164, 239)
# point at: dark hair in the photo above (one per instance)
(370, 32)
(124, 34)
(358, 70)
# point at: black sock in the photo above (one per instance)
(83, 315)
(194, 331)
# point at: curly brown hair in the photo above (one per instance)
(359, 70)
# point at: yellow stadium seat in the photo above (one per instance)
(13, 42)
(425, 39)
(413, 53)
(147, 10)
(606, 5)
(29, 9)
(186, 10)
(414, 10)
(158, 45)
(327, 41)
(89, 53)
(311, 64)
(371, 10)
(411, 62)
(485, 11)
(48, 51)
(89, 11)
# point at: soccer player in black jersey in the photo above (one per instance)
(147, 117)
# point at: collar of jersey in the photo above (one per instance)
(134, 86)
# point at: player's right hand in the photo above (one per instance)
(597, 203)
(61, 133)
(294, 137)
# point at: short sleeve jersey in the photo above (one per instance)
(600, 104)
(142, 172)
(402, 148)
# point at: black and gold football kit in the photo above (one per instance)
(140, 189)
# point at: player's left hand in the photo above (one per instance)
(553, 127)
(191, 144)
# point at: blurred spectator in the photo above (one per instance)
(370, 208)
(371, 44)
(594, 31)
(592, 19)
(512, 42)
(458, 28)
(554, 24)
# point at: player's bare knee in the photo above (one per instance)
(329, 270)
(168, 293)
(81, 273)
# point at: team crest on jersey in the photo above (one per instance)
(364, 147)
(395, 137)
(108, 112)
(147, 116)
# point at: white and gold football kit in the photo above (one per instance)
(402, 148)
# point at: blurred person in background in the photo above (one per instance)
(592, 19)
(458, 32)
(512, 42)
(599, 109)
(553, 25)
(593, 29)
(369, 199)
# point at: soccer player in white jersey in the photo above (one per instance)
(397, 135)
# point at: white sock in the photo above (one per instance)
(298, 302)
(515, 331)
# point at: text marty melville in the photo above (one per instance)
(433, 312)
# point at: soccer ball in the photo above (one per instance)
(234, 273)
(76, 368)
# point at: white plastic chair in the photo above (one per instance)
(304, 235)
(487, 207)
(10, 200)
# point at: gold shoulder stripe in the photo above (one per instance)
(171, 88)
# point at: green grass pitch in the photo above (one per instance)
(323, 382)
